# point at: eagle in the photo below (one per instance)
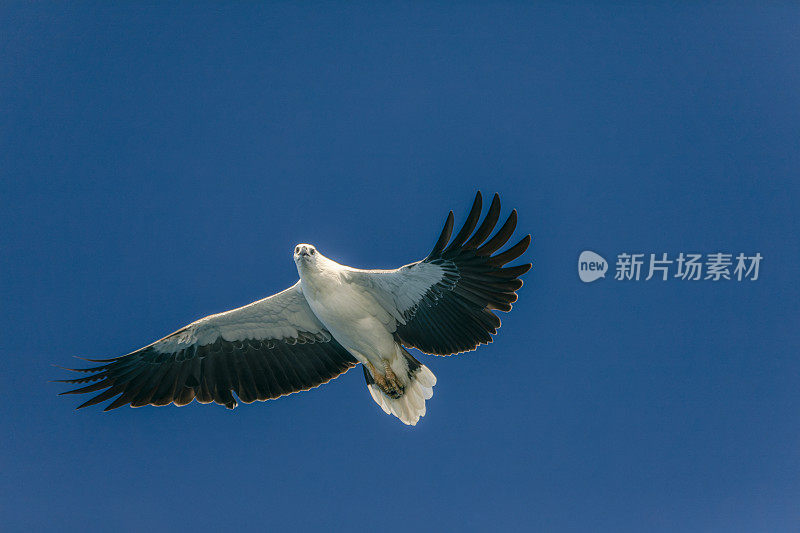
(332, 319)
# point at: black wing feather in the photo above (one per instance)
(455, 315)
(443, 237)
(255, 369)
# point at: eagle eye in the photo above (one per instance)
(312, 251)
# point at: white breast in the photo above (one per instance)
(351, 314)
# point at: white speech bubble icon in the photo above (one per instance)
(591, 266)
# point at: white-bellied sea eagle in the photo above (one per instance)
(333, 318)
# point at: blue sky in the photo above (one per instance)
(159, 164)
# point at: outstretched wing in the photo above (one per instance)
(444, 304)
(264, 350)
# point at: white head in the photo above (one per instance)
(305, 255)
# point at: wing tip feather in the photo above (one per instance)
(485, 286)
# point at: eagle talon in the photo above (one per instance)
(388, 381)
(395, 388)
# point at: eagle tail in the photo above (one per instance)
(406, 403)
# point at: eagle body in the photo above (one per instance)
(355, 318)
(334, 318)
(350, 313)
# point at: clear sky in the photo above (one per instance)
(159, 164)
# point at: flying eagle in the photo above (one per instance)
(333, 318)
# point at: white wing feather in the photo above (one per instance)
(397, 291)
(280, 316)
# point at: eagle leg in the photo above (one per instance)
(388, 382)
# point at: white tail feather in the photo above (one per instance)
(410, 407)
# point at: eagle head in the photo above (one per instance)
(305, 253)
